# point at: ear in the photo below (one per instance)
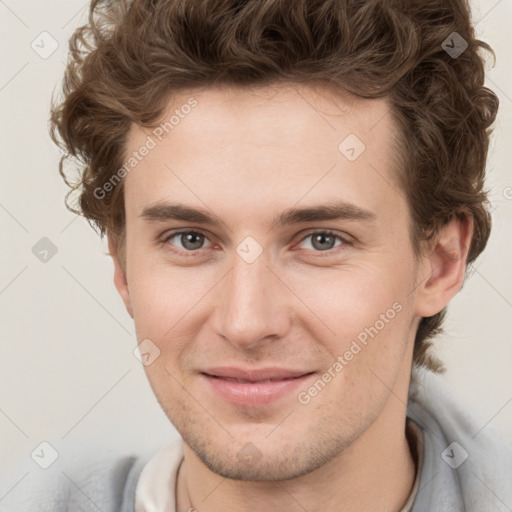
(120, 280)
(443, 266)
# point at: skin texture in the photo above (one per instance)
(246, 156)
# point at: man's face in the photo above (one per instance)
(247, 294)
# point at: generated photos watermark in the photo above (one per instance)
(357, 345)
(151, 143)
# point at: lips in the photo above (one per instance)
(254, 375)
(253, 387)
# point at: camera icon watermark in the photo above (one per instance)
(249, 249)
(44, 250)
(454, 455)
(45, 45)
(146, 352)
(249, 453)
(352, 147)
(44, 455)
(454, 45)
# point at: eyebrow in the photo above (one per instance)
(334, 210)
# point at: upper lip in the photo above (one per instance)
(254, 375)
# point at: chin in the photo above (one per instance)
(268, 464)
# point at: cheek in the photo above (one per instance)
(367, 310)
(164, 299)
(351, 299)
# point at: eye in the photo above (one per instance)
(322, 241)
(190, 241)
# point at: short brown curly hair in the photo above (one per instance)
(132, 55)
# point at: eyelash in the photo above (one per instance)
(195, 253)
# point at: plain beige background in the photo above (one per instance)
(68, 375)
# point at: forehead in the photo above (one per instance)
(268, 146)
(300, 113)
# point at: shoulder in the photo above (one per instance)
(466, 462)
(92, 484)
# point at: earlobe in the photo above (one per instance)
(444, 266)
(120, 280)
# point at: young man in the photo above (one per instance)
(292, 192)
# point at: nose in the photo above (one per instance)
(253, 306)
